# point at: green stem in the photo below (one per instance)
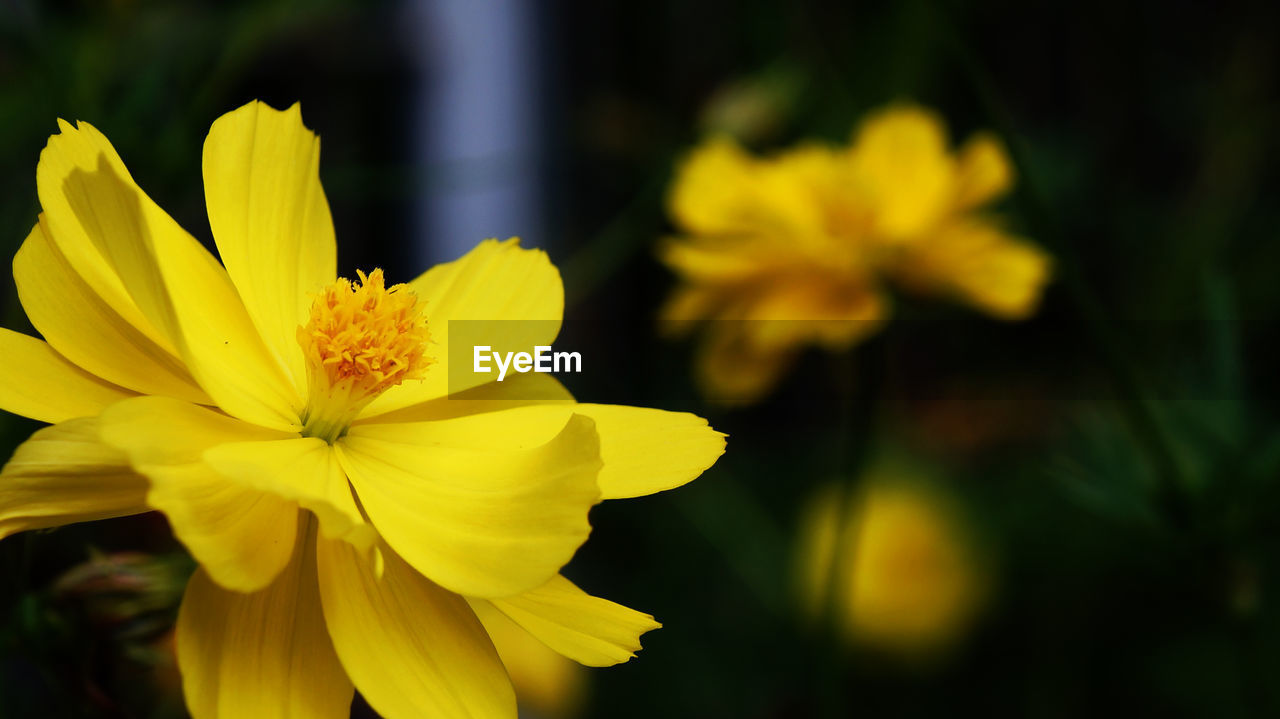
(734, 521)
(858, 385)
(620, 240)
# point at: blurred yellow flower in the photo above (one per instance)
(297, 430)
(897, 564)
(795, 249)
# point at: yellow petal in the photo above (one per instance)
(519, 391)
(412, 648)
(650, 450)
(270, 219)
(163, 430)
(64, 474)
(727, 259)
(85, 329)
(748, 220)
(984, 171)
(86, 192)
(516, 426)
(242, 536)
(808, 190)
(712, 184)
(478, 518)
(901, 165)
(733, 369)
(302, 469)
(687, 306)
(759, 330)
(86, 254)
(834, 312)
(977, 263)
(38, 383)
(506, 297)
(547, 683)
(709, 186)
(755, 339)
(720, 190)
(264, 654)
(587, 629)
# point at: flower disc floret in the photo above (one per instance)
(362, 339)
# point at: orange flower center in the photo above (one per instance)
(362, 339)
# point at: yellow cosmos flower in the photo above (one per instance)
(795, 249)
(898, 563)
(297, 431)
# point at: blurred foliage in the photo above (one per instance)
(1120, 452)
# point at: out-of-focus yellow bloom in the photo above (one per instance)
(298, 431)
(897, 564)
(795, 249)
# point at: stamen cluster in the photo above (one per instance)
(362, 339)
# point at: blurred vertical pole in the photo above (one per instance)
(478, 124)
